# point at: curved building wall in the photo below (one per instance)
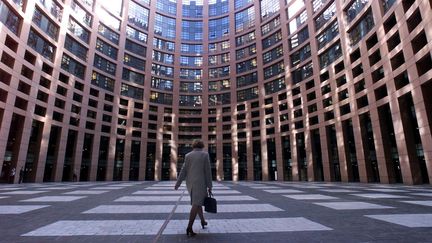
(315, 90)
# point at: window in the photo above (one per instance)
(191, 61)
(271, 40)
(192, 74)
(131, 91)
(274, 70)
(245, 39)
(247, 79)
(161, 98)
(270, 26)
(192, 8)
(328, 35)
(219, 99)
(135, 48)
(247, 94)
(102, 81)
(138, 15)
(167, 6)
(132, 76)
(136, 34)
(165, 26)
(192, 30)
(269, 8)
(302, 73)
(45, 24)
(73, 67)
(299, 38)
(134, 62)
(218, 7)
(161, 70)
(245, 52)
(219, 72)
(108, 33)
(81, 14)
(297, 22)
(241, 3)
(275, 86)
(106, 48)
(163, 45)
(163, 57)
(273, 54)
(323, 18)
(218, 28)
(219, 85)
(246, 65)
(317, 4)
(42, 46)
(53, 7)
(330, 55)
(108, 19)
(190, 100)
(161, 84)
(76, 48)
(191, 87)
(244, 19)
(300, 55)
(361, 28)
(355, 8)
(78, 30)
(192, 48)
(104, 65)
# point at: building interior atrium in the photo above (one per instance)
(278, 90)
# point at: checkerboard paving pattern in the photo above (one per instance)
(246, 210)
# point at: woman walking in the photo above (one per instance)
(196, 171)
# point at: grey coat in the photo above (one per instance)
(196, 171)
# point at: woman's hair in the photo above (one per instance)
(197, 144)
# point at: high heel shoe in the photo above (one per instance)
(189, 232)
(203, 224)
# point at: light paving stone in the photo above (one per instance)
(265, 187)
(386, 190)
(175, 198)
(85, 192)
(337, 190)
(106, 188)
(19, 209)
(429, 194)
(409, 220)
(352, 205)
(58, 188)
(119, 209)
(228, 198)
(159, 192)
(22, 192)
(423, 203)
(236, 208)
(218, 192)
(54, 199)
(283, 191)
(9, 188)
(253, 225)
(310, 197)
(147, 199)
(164, 188)
(422, 190)
(378, 195)
(98, 227)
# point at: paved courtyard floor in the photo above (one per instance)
(247, 212)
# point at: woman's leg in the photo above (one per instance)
(192, 215)
(201, 214)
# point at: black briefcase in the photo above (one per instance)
(210, 204)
